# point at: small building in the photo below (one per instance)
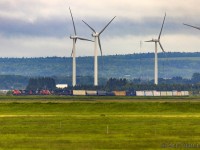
(61, 86)
(3, 92)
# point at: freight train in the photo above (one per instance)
(72, 92)
(99, 93)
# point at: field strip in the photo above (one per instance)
(39, 115)
(161, 116)
(109, 115)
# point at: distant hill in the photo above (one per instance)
(15, 72)
(119, 66)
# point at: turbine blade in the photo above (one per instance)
(72, 21)
(162, 27)
(192, 26)
(100, 45)
(75, 40)
(161, 47)
(149, 41)
(84, 39)
(102, 63)
(106, 26)
(101, 52)
(89, 26)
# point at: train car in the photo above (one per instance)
(163, 93)
(91, 93)
(62, 92)
(169, 93)
(110, 94)
(79, 92)
(16, 92)
(174, 93)
(45, 92)
(184, 93)
(140, 93)
(148, 93)
(101, 93)
(156, 93)
(23, 92)
(130, 93)
(119, 93)
(179, 93)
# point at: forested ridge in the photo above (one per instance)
(135, 65)
(129, 66)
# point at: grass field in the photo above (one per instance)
(62, 123)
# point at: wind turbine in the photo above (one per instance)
(74, 38)
(192, 26)
(156, 41)
(96, 36)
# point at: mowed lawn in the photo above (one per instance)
(51, 124)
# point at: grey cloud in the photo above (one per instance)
(148, 26)
(59, 27)
(42, 27)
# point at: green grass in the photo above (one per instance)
(89, 98)
(41, 123)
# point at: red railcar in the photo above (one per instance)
(16, 92)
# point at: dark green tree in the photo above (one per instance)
(41, 83)
(196, 78)
(116, 84)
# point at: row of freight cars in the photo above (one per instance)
(135, 93)
(100, 93)
(32, 92)
(162, 93)
(72, 92)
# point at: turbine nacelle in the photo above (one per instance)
(95, 34)
(73, 37)
(153, 40)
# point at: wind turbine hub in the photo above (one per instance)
(95, 34)
(73, 37)
(155, 40)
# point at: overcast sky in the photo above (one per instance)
(35, 28)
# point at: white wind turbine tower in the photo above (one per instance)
(96, 36)
(75, 37)
(156, 41)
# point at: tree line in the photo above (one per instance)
(175, 83)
